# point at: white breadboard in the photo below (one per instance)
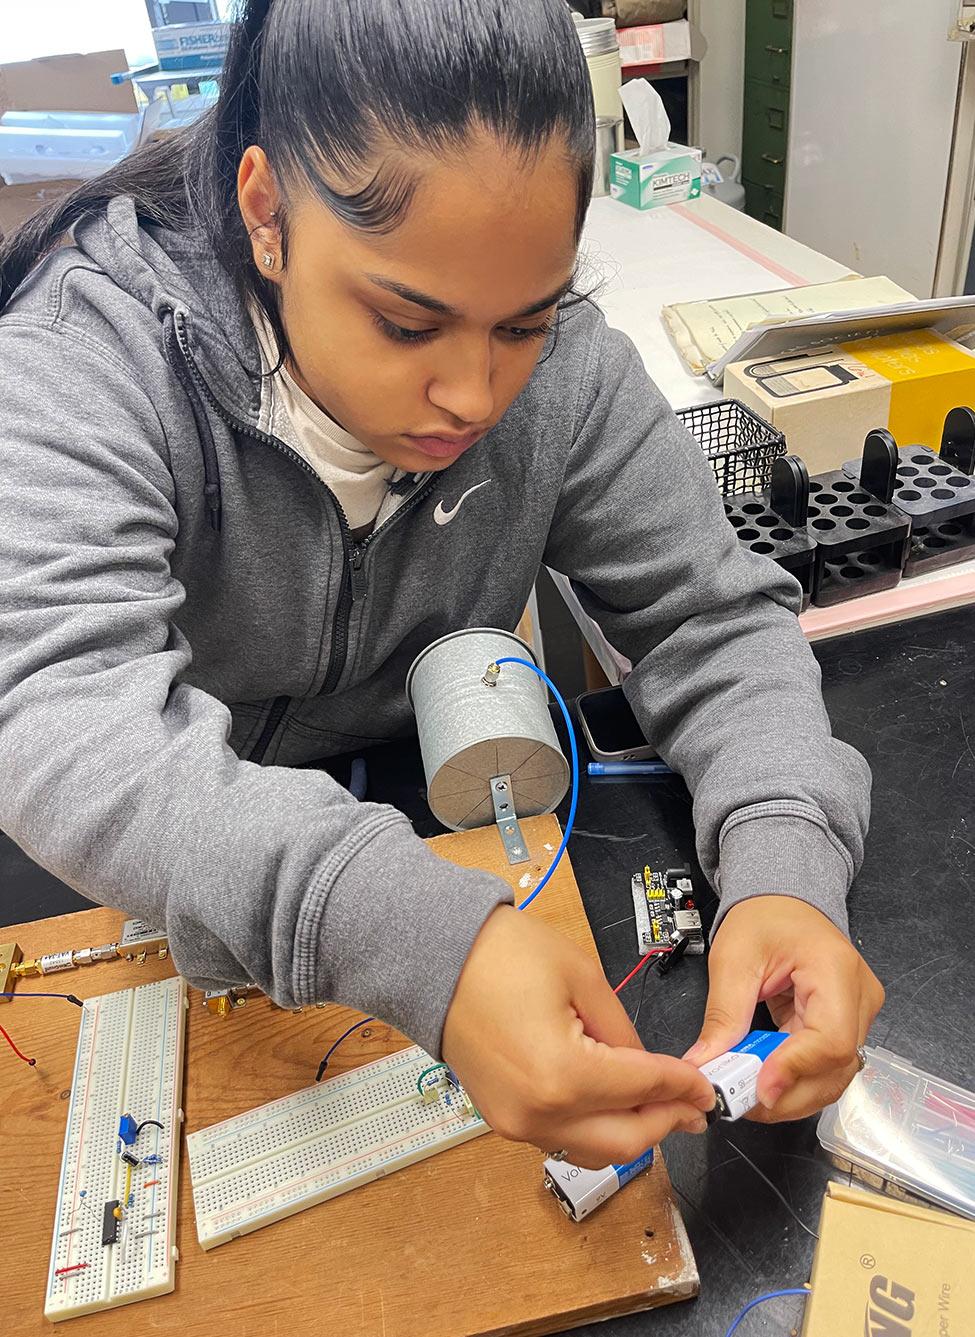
(129, 1061)
(278, 1159)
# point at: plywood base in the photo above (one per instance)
(464, 1244)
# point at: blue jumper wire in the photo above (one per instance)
(565, 839)
(772, 1295)
(324, 1063)
(525, 663)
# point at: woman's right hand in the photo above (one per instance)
(548, 1055)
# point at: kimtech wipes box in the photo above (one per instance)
(668, 175)
(885, 1268)
(659, 171)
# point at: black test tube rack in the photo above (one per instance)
(937, 494)
(862, 539)
(773, 522)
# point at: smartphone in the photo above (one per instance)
(611, 729)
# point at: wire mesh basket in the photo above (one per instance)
(739, 444)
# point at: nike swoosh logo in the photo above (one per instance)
(444, 517)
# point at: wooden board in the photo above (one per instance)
(464, 1243)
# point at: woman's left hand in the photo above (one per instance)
(785, 953)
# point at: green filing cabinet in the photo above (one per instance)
(765, 130)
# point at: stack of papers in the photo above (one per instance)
(709, 334)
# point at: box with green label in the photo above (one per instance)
(668, 175)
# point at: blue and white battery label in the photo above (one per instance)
(759, 1043)
(624, 1173)
(581, 1191)
(734, 1075)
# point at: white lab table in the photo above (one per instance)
(641, 262)
(686, 253)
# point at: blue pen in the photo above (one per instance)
(629, 768)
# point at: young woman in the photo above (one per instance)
(289, 393)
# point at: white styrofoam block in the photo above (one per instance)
(46, 151)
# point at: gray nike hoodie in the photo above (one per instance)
(184, 618)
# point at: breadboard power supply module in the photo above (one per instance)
(666, 912)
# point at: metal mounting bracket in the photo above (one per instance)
(502, 797)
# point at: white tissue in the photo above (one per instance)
(649, 120)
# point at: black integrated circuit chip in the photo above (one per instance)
(110, 1223)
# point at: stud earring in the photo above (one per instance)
(267, 260)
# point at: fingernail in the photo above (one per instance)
(696, 1051)
(771, 1095)
(698, 1125)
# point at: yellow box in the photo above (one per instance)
(825, 400)
(928, 375)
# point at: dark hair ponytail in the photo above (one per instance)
(321, 85)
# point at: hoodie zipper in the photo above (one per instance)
(211, 465)
(354, 587)
(354, 583)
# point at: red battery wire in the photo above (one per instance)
(654, 951)
(10, 1042)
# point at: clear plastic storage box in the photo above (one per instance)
(908, 1130)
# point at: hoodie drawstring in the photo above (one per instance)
(181, 361)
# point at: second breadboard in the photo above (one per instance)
(115, 1214)
(329, 1138)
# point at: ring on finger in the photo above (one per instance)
(861, 1058)
(559, 1155)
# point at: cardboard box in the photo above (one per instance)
(632, 13)
(18, 203)
(890, 1269)
(660, 44)
(825, 401)
(72, 83)
(67, 83)
(669, 175)
(191, 46)
(928, 375)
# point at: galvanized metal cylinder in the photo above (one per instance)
(470, 732)
(599, 42)
(607, 132)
